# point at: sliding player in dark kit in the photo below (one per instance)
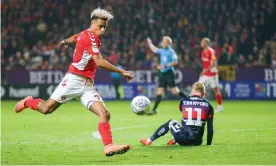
(196, 111)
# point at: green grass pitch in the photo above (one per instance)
(244, 134)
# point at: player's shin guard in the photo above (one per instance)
(219, 98)
(162, 130)
(157, 101)
(33, 103)
(105, 131)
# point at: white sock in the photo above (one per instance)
(148, 140)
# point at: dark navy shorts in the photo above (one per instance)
(180, 134)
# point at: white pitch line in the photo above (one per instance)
(253, 129)
(97, 135)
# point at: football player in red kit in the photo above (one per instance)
(209, 75)
(79, 80)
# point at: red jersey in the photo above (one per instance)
(207, 56)
(87, 45)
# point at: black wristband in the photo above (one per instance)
(166, 66)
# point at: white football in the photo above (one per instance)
(140, 105)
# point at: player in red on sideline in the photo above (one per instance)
(209, 75)
(79, 81)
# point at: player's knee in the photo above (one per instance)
(171, 122)
(46, 110)
(105, 114)
(175, 92)
(159, 92)
(216, 91)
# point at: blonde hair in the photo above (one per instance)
(199, 87)
(168, 38)
(101, 13)
(206, 39)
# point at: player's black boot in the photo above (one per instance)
(157, 101)
(153, 112)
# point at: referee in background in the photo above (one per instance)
(166, 74)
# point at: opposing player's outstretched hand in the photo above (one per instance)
(128, 75)
(63, 44)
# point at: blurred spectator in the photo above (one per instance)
(235, 27)
(261, 60)
(226, 57)
(124, 60)
(147, 63)
(187, 61)
(241, 60)
(250, 61)
(116, 79)
(273, 61)
(114, 57)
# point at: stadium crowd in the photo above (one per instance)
(242, 32)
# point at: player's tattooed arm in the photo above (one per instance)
(70, 40)
(151, 46)
(98, 59)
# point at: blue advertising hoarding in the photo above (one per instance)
(249, 90)
(235, 90)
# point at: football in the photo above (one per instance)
(140, 105)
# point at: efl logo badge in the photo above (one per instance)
(260, 90)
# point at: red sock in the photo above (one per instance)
(32, 103)
(105, 131)
(219, 98)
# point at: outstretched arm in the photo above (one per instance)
(108, 66)
(67, 41)
(151, 46)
